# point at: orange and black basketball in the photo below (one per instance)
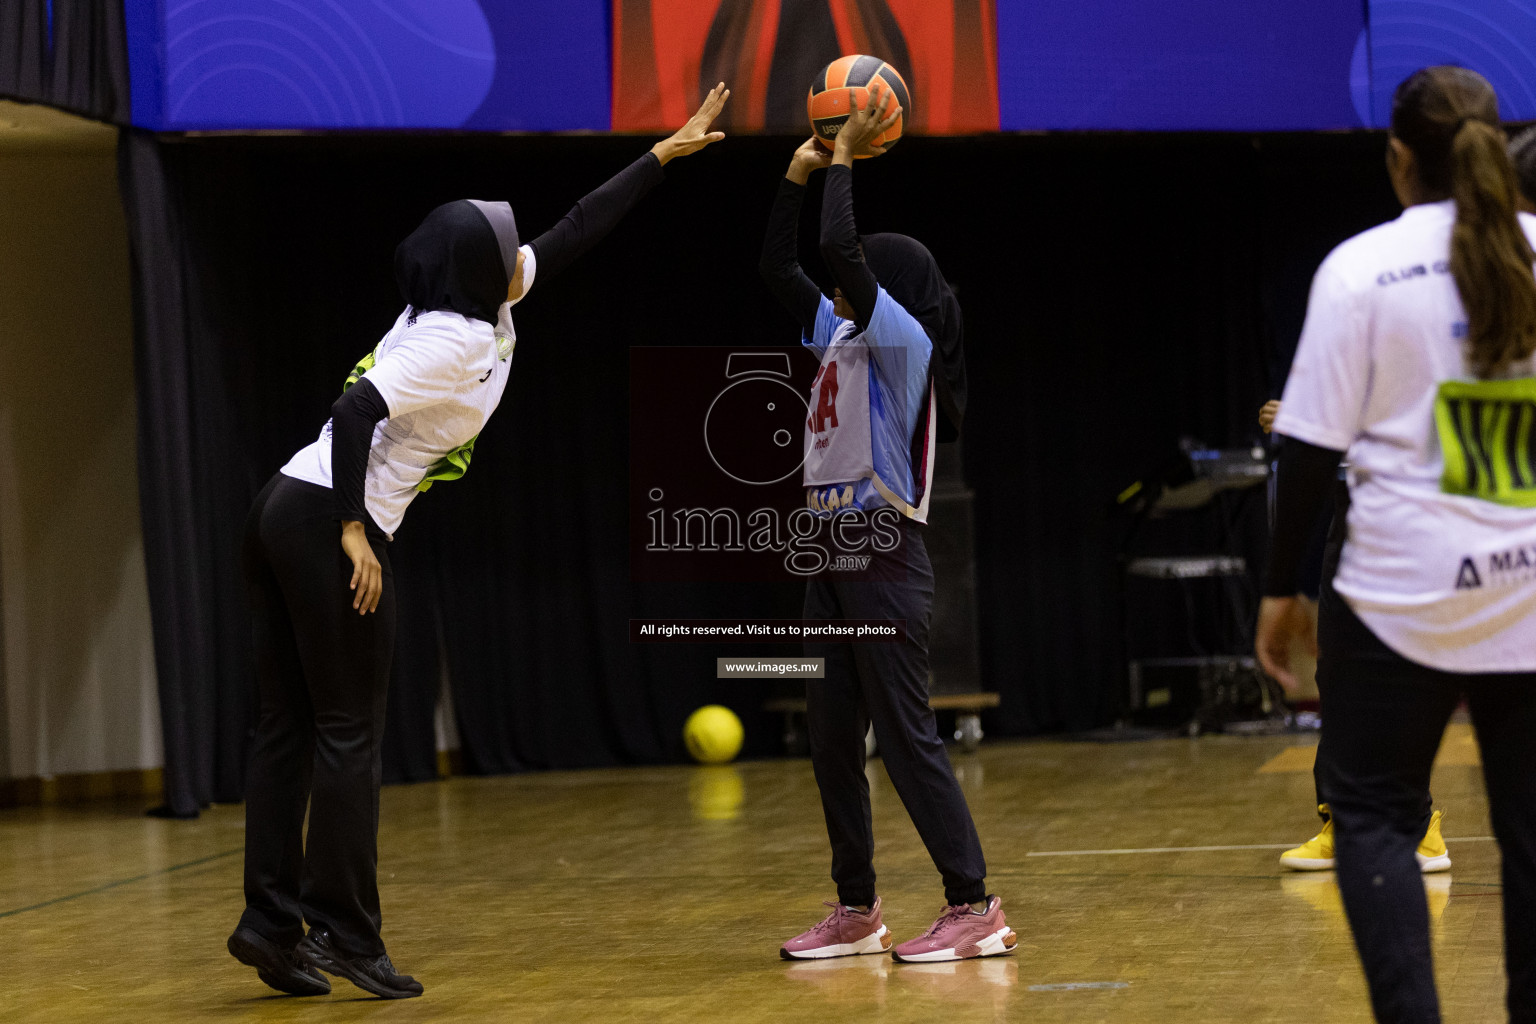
(868, 78)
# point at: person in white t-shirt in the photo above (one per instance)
(1416, 360)
(318, 577)
(1316, 854)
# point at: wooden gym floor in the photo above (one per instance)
(1141, 878)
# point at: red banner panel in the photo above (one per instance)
(668, 53)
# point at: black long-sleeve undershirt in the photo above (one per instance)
(780, 262)
(360, 408)
(596, 214)
(840, 246)
(1304, 479)
(353, 417)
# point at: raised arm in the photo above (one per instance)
(601, 210)
(596, 214)
(839, 235)
(840, 246)
(780, 263)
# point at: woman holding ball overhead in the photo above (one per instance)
(319, 582)
(892, 368)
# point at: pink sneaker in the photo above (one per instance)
(959, 934)
(844, 933)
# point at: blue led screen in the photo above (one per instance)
(1496, 38)
(544, 65)
(1177, 64)
(476, 64)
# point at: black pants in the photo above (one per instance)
(885, 685)
(1333, 549)
(1385, 717)
(323, 672)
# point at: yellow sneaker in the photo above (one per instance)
(1316, 854)
(1431, 852)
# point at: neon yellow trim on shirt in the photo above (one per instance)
(363, 366)
(451, 466)
(1487, 429)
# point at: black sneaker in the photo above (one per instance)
(370, 973)
(282, 969)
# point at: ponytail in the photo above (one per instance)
(1491, 259)
(1448, 117)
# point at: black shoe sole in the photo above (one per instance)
(275, 972)
(320, 959)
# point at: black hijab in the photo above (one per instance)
(462, 258)
(907, 270)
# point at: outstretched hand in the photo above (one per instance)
(864, 125)
(811, 156)
(695, 134)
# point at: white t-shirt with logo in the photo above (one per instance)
(1440, 560)
(441, 378)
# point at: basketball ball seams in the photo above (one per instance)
(836, 75)
(863, 69)
(899, 87)
(866, 78)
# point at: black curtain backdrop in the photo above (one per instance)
(78, 63)
(1120, 292)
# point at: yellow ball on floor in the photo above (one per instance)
(713, 734)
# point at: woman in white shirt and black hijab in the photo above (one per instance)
(1416, 360)
(318, 576)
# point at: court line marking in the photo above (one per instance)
(1207, 849)
(123, 881)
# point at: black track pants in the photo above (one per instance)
(1384, 720)
(885, 685)
(1338, 529)
(323, 673)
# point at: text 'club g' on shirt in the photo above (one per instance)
(1440, 560)
(869, 394)
(441, 377)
